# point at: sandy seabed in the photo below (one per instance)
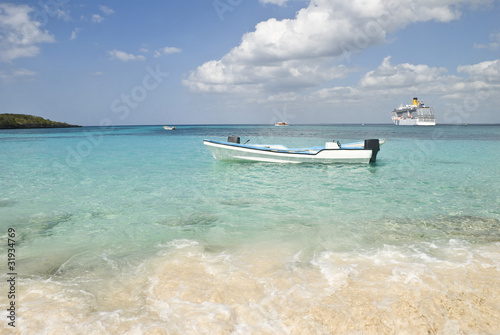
(191, 289)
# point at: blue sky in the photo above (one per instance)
(249, 61)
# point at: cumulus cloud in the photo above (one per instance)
(299, 53)
(125, 57)
(398, 79)
(393, 80)
(292, 75)
(485, 71)
(19, 35)
(403, 75)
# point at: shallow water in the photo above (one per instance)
(138, 230)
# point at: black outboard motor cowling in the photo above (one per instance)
(233, 139)
(374, 145)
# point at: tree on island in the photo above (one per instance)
(19, 121)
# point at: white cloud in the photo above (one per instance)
(19, 35)
(64, 15)
(51, 9)
(125, 57)
(299, 53)
(484, 71)
(274, 2)
(399, 80)
(390, 80)
(493, 45)
(403, 76)
(287, 75)
(74, 34)
(96, 18)
(14, 74)
(106, 10)
(23, 73)
(166, 51)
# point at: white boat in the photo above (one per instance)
(413, 115)
(281, 124)
(168, 128)
(331, 152)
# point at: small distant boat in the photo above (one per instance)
(168, 128)
(413, 115)
(333, 152)
(281, 123)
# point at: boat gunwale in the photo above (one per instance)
(281, 151)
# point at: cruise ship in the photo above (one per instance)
(413, 115)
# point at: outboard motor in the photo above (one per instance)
(374, 145)
(233, 139)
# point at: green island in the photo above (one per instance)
(20, 121)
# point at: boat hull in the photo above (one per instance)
(228, 151)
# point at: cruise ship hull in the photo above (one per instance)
(413, 122)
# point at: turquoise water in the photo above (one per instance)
(140, 230)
